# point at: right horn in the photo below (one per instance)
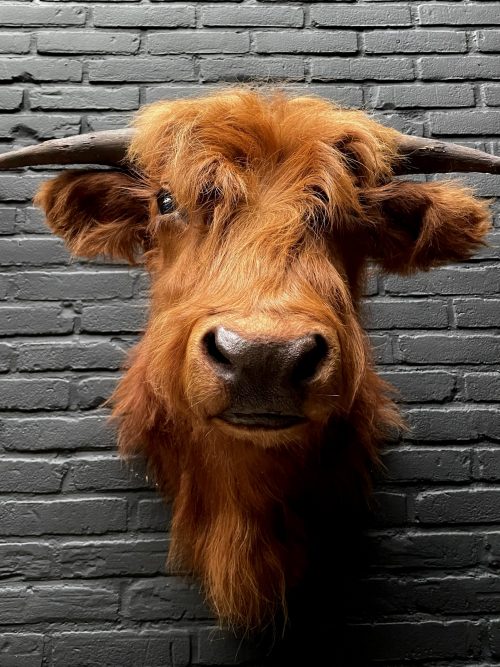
(108, 147)
(418, 155)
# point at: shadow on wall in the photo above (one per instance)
(318, 631)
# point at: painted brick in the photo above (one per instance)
(21, 475)
(360, 16)
(14, 42)
(257, 16)
(151, 515)
(411, 41)
(491, 549)
(465, 122)
(247, 69)
(104, 473)
(452, 422)
(328, 41)
(34, 319)
(112, 557)
(6, 357)
(48, 602)
(220, 647)
(11, 99)
(166, 648)
(72, 516)
(428, 640)
(33, 252)
(449, 348)
(170, 598)
(24, 649)
(55, 355)
(33, 394)
(421, 96)
(7, 220)
(406, 124)
(382, 348)
(482, 386)
(484, 185)
(174, 92)
(42, 433)
(41, 127)
(494, 637)
(391, 595)
(475, 13)
(36, 69)
(55, 285)
(25, 15)
(87, 41)
(381, 69)
(428, 465)
(458, 67)
(488, 41)
(32, 220)
(477, 313)
(5, 281)
(390, 508)
(487, 463)
(195, 41)
(132, 70)
(411, 550)
(26, 559)
(418, 386)
(84, 97)
(452, 280)
(492, 95)
(19, 188)
(118, 16)
(125, 318)
(459, 506)
(108, 121)
(405, 314)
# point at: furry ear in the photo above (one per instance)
(96, 212)
(420, 225)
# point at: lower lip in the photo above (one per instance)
(262, 422)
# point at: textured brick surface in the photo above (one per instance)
(83, 537)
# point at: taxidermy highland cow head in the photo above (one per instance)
(252, 388)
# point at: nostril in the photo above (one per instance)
(314, 351)
(209, 342)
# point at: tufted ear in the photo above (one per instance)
(420, 225)
(96, 212)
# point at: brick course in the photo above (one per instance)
(83, 537)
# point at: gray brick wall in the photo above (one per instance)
(83, 538)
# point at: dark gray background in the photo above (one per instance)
(82, 539)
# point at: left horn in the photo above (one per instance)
(418, 155)
(108, 147)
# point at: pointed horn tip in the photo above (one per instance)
(425, 155)
(108, 147)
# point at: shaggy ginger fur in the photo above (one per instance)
(280, 203)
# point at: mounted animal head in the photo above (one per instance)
(256, 216)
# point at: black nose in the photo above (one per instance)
(263, 374)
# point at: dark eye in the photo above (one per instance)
(166, 203)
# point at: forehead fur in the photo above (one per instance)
(237, 138)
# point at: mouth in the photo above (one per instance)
(261, 421)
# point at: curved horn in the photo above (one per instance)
(416, 154)
(108, 147)
(429, 156)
